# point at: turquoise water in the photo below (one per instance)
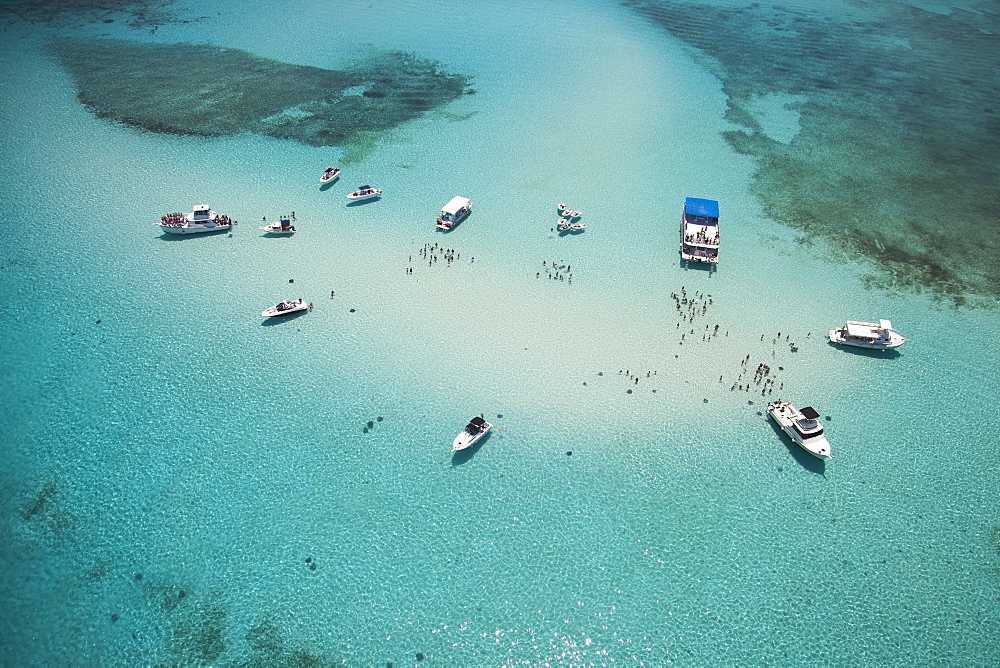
(175, 467)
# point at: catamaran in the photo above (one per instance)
(700, 230)
(453, 212)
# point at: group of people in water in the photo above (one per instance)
(433, 253)
(556, 271)
(691, 307)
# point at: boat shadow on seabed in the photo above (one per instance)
(807, 461)
(461, 456)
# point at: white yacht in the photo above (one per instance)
(700, 230)
(287, 307)
(802, 427)
(281, 226)
(453, 212)
(201, 219)
(473, 431)
(867, 335)
(364, 193)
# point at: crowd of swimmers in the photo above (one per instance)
(434, 253)
(556, 271)
(690, 307)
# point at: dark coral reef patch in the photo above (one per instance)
(895, 159)
(204, 90)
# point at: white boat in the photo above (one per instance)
(473, 431)
(867, 335)
(700, 230)
(201, 219)
(564, 224)
(453, 212)
(802, 427)
(281, 226)
(365, 192)
(287, 307)
(330, 174)
(577, 226)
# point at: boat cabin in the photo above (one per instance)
(807, 425)
(701, 222)
(201, 212)
(454, 211)
(476, 425)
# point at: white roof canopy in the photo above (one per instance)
(456, 204)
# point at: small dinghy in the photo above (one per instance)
(287, 307)
(330, 174)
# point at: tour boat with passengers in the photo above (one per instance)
(867, 335)
(802, 426)
(700, 230)
(454, 212)
(287, 307)
(201, 219)
(473, 431)
(365, 193)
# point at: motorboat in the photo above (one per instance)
(564, 224)
(330, 174)
(802, 426)
(700, 230)
(201, 219)
(287, 307)
(561, 206)
(867, 335)
(365, 193)
(454, 212)
(473, 431)
(281, 226)
(577, 226)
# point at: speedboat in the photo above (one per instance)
(453, 212)
(802, 427)
(577, 226)
(365, 192)
(700, 230)
(281, 226)
(473, 431)
(287, 307)
(565, 224)
(867, 335)
(330, 174)
(201, 219)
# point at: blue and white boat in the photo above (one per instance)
(700, 230)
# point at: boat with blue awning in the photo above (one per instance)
(700, 230)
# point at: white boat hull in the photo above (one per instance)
(192, 229)
(894, 340)
(466, 440)
(277, 229)
(784, 414)
(299, 306)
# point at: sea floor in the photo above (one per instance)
(188, 483)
